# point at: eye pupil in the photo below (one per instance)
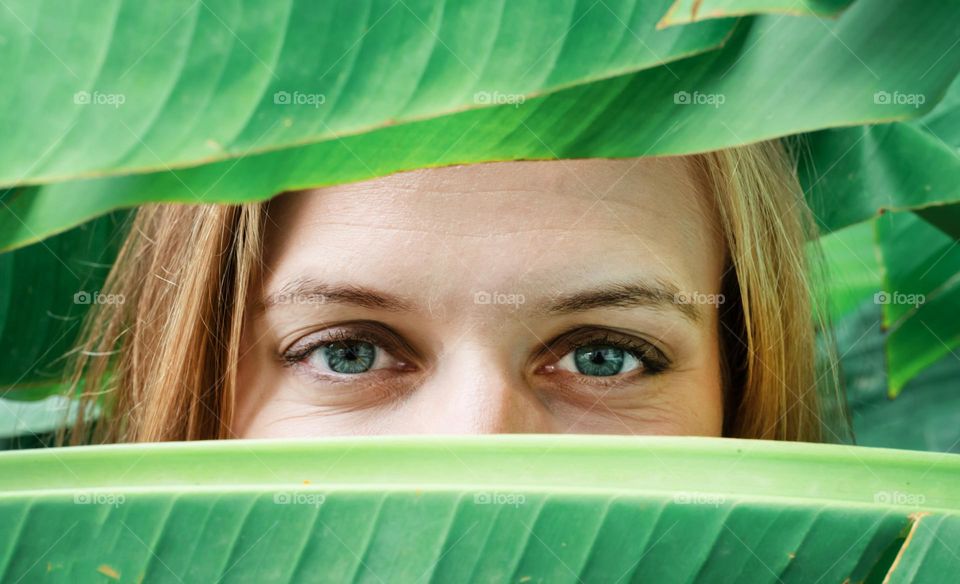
(350, 357)
(599, 360)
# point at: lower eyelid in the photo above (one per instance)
(372, 376)
(348, 396)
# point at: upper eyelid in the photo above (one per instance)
(291, 357)
(350, 330)
(584, 335)
(383, 338)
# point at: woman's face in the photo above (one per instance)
(561, 296)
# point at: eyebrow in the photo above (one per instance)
(303, 290)
(656, 294)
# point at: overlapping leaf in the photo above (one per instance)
(921, 294)
(489, 509)
(852, 174)
(740, 93)
(45, 291)
(121, 87)
(926, 414)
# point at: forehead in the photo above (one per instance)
(507, 225)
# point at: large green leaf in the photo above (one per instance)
(48, 287)
(918, 259)
(834, 72)
(852, 174)
(924, 416)
(910, 269)
(921, 294)
(852, 268)
(484, 509)
(120, 86)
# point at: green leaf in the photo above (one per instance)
(50, 285)
(120, 87)
(921, 294)
(924, 416)
(687, 11)
(835, 70)
(852, 174)
(919, 260)
(486, 509)
(909, 269)
(928, 547)
(852, 267)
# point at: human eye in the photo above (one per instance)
(606, 355)
(348, 352)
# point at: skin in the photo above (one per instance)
(483, 262)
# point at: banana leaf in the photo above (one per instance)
(485, 509)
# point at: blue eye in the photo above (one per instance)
(347, 357)
(361, 349)
(599, 360)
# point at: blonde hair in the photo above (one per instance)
(163, 365)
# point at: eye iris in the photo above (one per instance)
(599, 360)
(350, 357)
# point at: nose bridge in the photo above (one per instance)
(476, 389)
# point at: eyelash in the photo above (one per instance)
(296, 355)
(653, 361)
